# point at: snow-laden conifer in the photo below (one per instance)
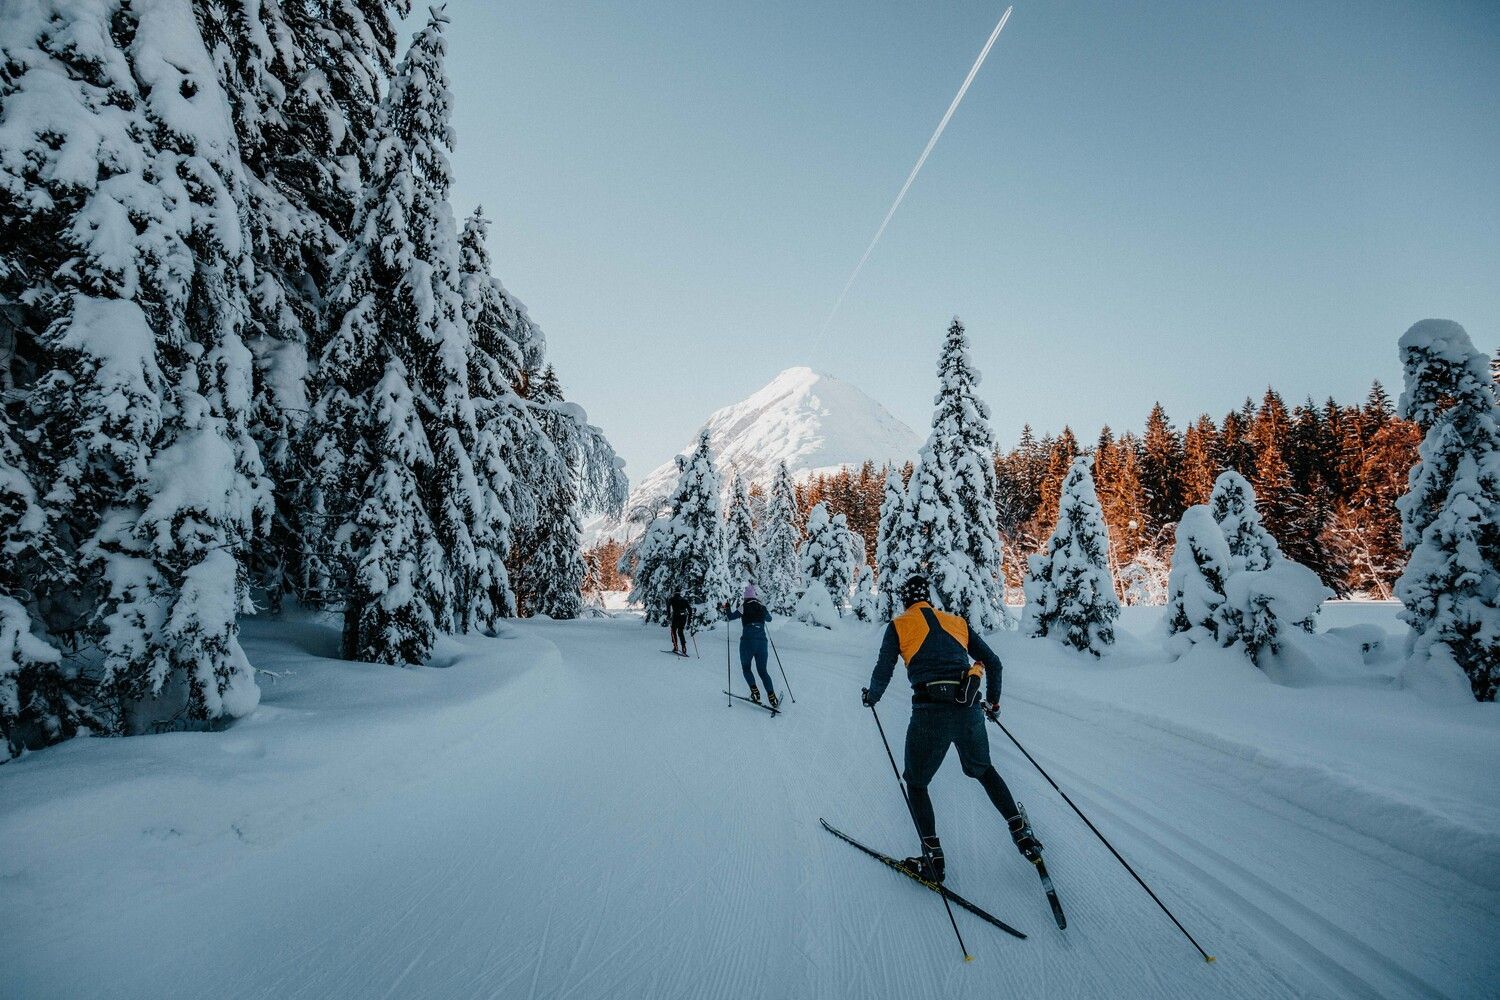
(1450, 517)
(958, 539)
(826, 555)
(815, 606)
(938, 553)
(389, 618)
(551, 567)
(1232, 503)
(1195, 588)
(781, 565)
(1262, 606)
(743, 561)
(41, 698)
(133, 168)
(507, 433)
(895, 546)
(866, 604)
(1069, 593)
(396, 297)
(684, 552)
(1265, 592)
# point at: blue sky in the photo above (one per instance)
(1176, 201)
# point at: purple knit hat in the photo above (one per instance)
(751, 594)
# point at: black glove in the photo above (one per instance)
(992, 710)
(865, 699)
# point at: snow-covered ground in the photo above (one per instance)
(568, 812)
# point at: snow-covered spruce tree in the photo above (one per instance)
(389, 618)
(895, 546)
(959, 541)
(1069, 593)
(1261, 605)
(117, 139)
(42, 699)
(1265, 592)
(1450, 516)
(509, 435)
(396, 296)
(744, 546)
(648, 582)
(781, 565)
(1200, 565)
(685, 551)
(1232, 503)
(552, 570)
(826, 556)
(936, 551)
(866, 603)
(303, 82)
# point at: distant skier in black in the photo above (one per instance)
(938, 649)
(753, 642)
(680, 616)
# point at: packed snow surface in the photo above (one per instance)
(566, 811)
(811, 421)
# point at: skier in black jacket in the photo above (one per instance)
(939, 649)
(680, 616)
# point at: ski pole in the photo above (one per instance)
(784, 681)
(1206, 956)
(728, 680)
(695, 647)
(926, 855)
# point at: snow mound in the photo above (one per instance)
(815, 606)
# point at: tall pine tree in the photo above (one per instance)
(1070, 595)
(895, 546)
(959, 541)
(744, 546)
(398, 498)
(781, 568)
(122, 191)
(685, 554)
(1450, 518)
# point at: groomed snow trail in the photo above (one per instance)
(601, 825)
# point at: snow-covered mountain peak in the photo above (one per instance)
(808, 419)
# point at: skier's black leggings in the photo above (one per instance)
(679, 633)
(932, 730)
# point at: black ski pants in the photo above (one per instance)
(933, 729)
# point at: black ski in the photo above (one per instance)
(941, 890)
(758, 704)
(671, 652)
(1057, 911)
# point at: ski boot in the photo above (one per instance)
(775, 701)
(929, 866)
(755, 695)
(1026, 842)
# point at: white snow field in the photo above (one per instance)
(566, 811)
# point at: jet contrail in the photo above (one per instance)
(973, 71)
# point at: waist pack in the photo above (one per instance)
(961, 689)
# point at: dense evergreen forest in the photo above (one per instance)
(1326, 478)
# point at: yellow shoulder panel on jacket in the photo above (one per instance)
(911, 630)
(955, 626)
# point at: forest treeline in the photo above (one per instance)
(1326, 478)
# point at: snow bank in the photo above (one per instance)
(1331, 724)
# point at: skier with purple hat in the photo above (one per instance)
(753, 643)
